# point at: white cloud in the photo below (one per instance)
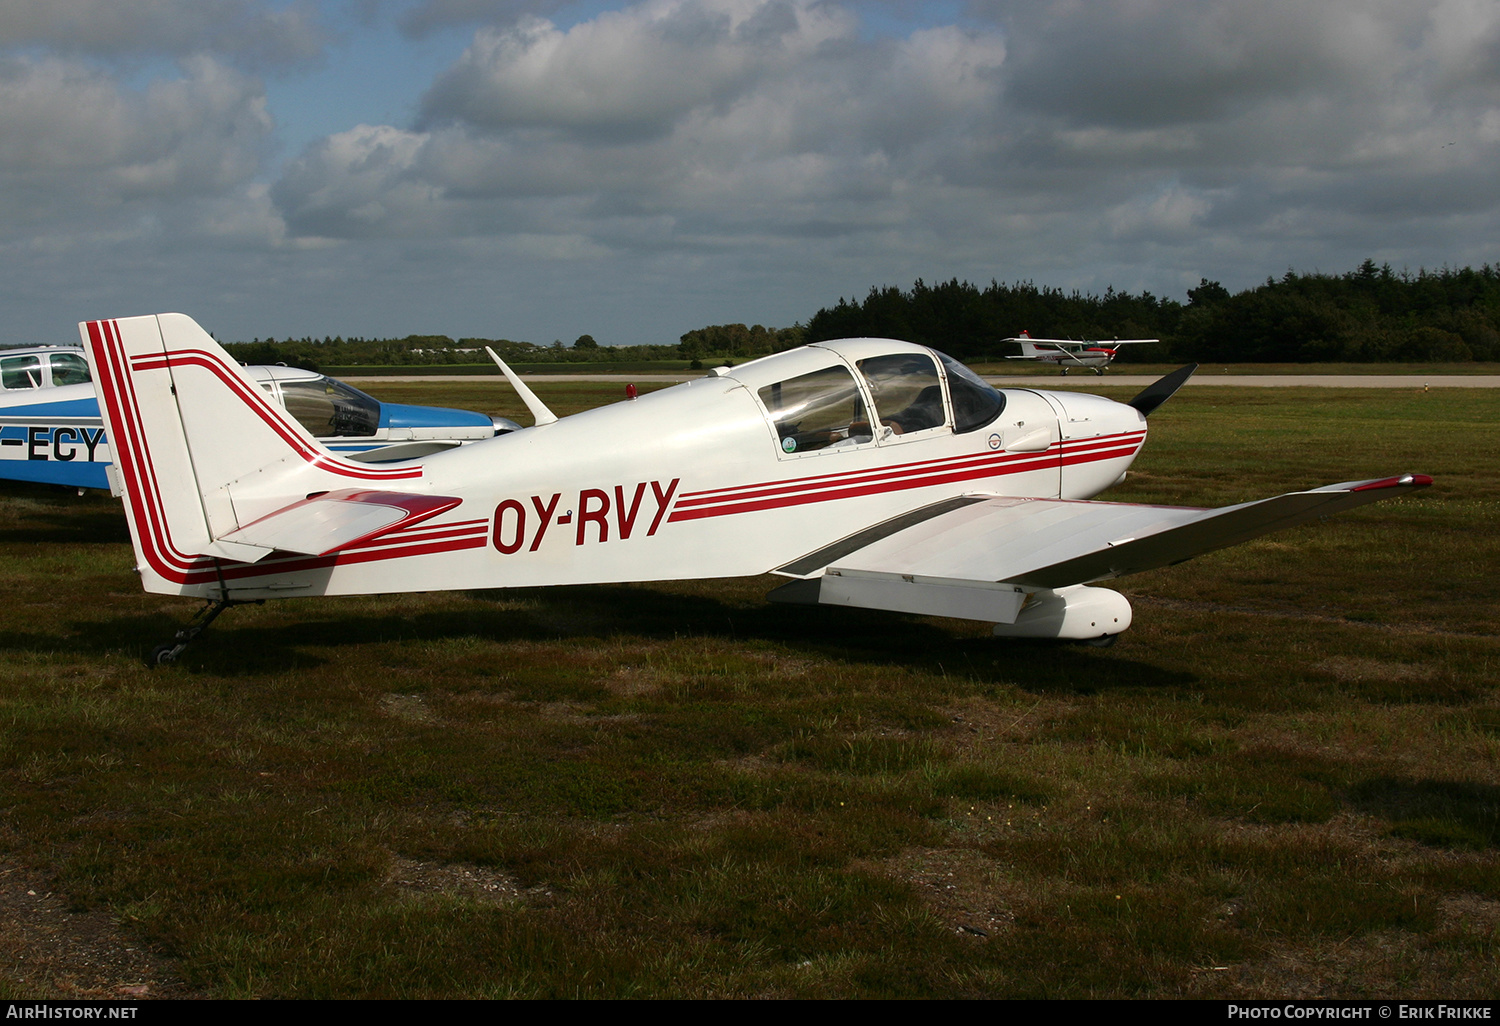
(73, 142)
(354, 182)
(714, 114)
(629, 73)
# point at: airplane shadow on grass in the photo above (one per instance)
(589, 615)
(36, 514)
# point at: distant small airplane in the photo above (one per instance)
(51, 431)
(869, 472)
(1067, 353)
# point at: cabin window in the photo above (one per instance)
(821, 410)
(21, 372)
(908, 395)
(69, 368)
(331, 409)
(975, 403)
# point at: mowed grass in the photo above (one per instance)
(1283, 781)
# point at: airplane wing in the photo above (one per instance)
(980, 552)
(1065, 344)
(1053, 343)
(331, 521)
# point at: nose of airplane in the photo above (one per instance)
(1085, 416)
(1100, 440)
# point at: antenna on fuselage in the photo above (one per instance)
(538, 409)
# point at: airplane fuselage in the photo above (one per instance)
(706, 479)
(873, 473)
(1092, 357)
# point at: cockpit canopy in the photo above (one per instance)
(893, 391)
(328, 408)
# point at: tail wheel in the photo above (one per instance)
(163, 655)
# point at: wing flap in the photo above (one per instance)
(1052, 543)
(926, 596)
(331, 521)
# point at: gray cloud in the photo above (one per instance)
(430, 15)
(1146, 65)
(247, 32)
(1142, 143)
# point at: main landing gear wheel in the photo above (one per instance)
(1103, 641)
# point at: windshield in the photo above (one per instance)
(331, 409)
(975, 402)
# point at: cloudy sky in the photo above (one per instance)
(538, 170)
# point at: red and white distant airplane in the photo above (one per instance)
(1067, 353)
(868, 472)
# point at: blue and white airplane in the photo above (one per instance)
(51, 431)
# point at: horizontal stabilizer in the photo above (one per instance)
(330, 521)
(1052, 543)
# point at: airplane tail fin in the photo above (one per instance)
(1029, 349)
(200, 451)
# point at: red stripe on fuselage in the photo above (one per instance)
(753, 498)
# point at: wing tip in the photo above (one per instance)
(1401, 481)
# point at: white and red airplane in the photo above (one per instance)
(1067, 353)
(869, 472)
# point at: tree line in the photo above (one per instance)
(433, 350)
(1372, 313)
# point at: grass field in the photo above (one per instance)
(1283, 781)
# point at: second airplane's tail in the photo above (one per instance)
(1029, 349)
(209, 466)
